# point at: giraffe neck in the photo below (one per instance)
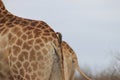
(3, 10)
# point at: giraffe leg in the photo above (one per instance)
(56, 69)
(72, 76)
(66, 73)
(68, 67)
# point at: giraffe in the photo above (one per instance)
(70, 60)
(29, 49)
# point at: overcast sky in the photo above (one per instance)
(91, 27)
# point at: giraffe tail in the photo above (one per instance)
(82, 73)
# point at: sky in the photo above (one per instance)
(91, 27)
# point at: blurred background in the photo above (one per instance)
(91, 27)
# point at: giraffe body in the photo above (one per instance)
(70, 61)
(29, 49)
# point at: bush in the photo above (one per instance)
(110, 73)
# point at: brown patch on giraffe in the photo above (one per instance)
(19, 42)
(47, 61)
(30, 36)
(26, 46)
(23, 55)
(39, 73)
(34, 66)
(19, 77)
(24, 23)
(29, 69)
(9, 16)
(28, 33)
(46, 31)
(24, 37)
(10, 77)
(29, 28)
(10, 25)
(17, 21)
(46, 34)
(2, 29)
(30, 42)
(27, 77)
(32, 55)
(41, 66)
(16, 50)
(12, 40)
(12, 18)
(49, 38)
(51, 30)
(54, 35)
(25, 29)
(14, 68)
(5, 12)
(45, 39)
(18, 64)
(1, 15)
(44, 51)
(15, 30)
(39, 56)
(13, 59)
(4, 32)
(38, 41)
(37, 47)
(34, 23)
(33, 76)
(41, 26)
(19, 33)
(41, 44)
(42, 22)
(22, 72)
(70, 50)
(2, 21)
(10, 36)
(25, 65)
(37, 33)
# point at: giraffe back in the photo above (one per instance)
(29, 48)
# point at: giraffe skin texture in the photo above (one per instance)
(29, 49)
